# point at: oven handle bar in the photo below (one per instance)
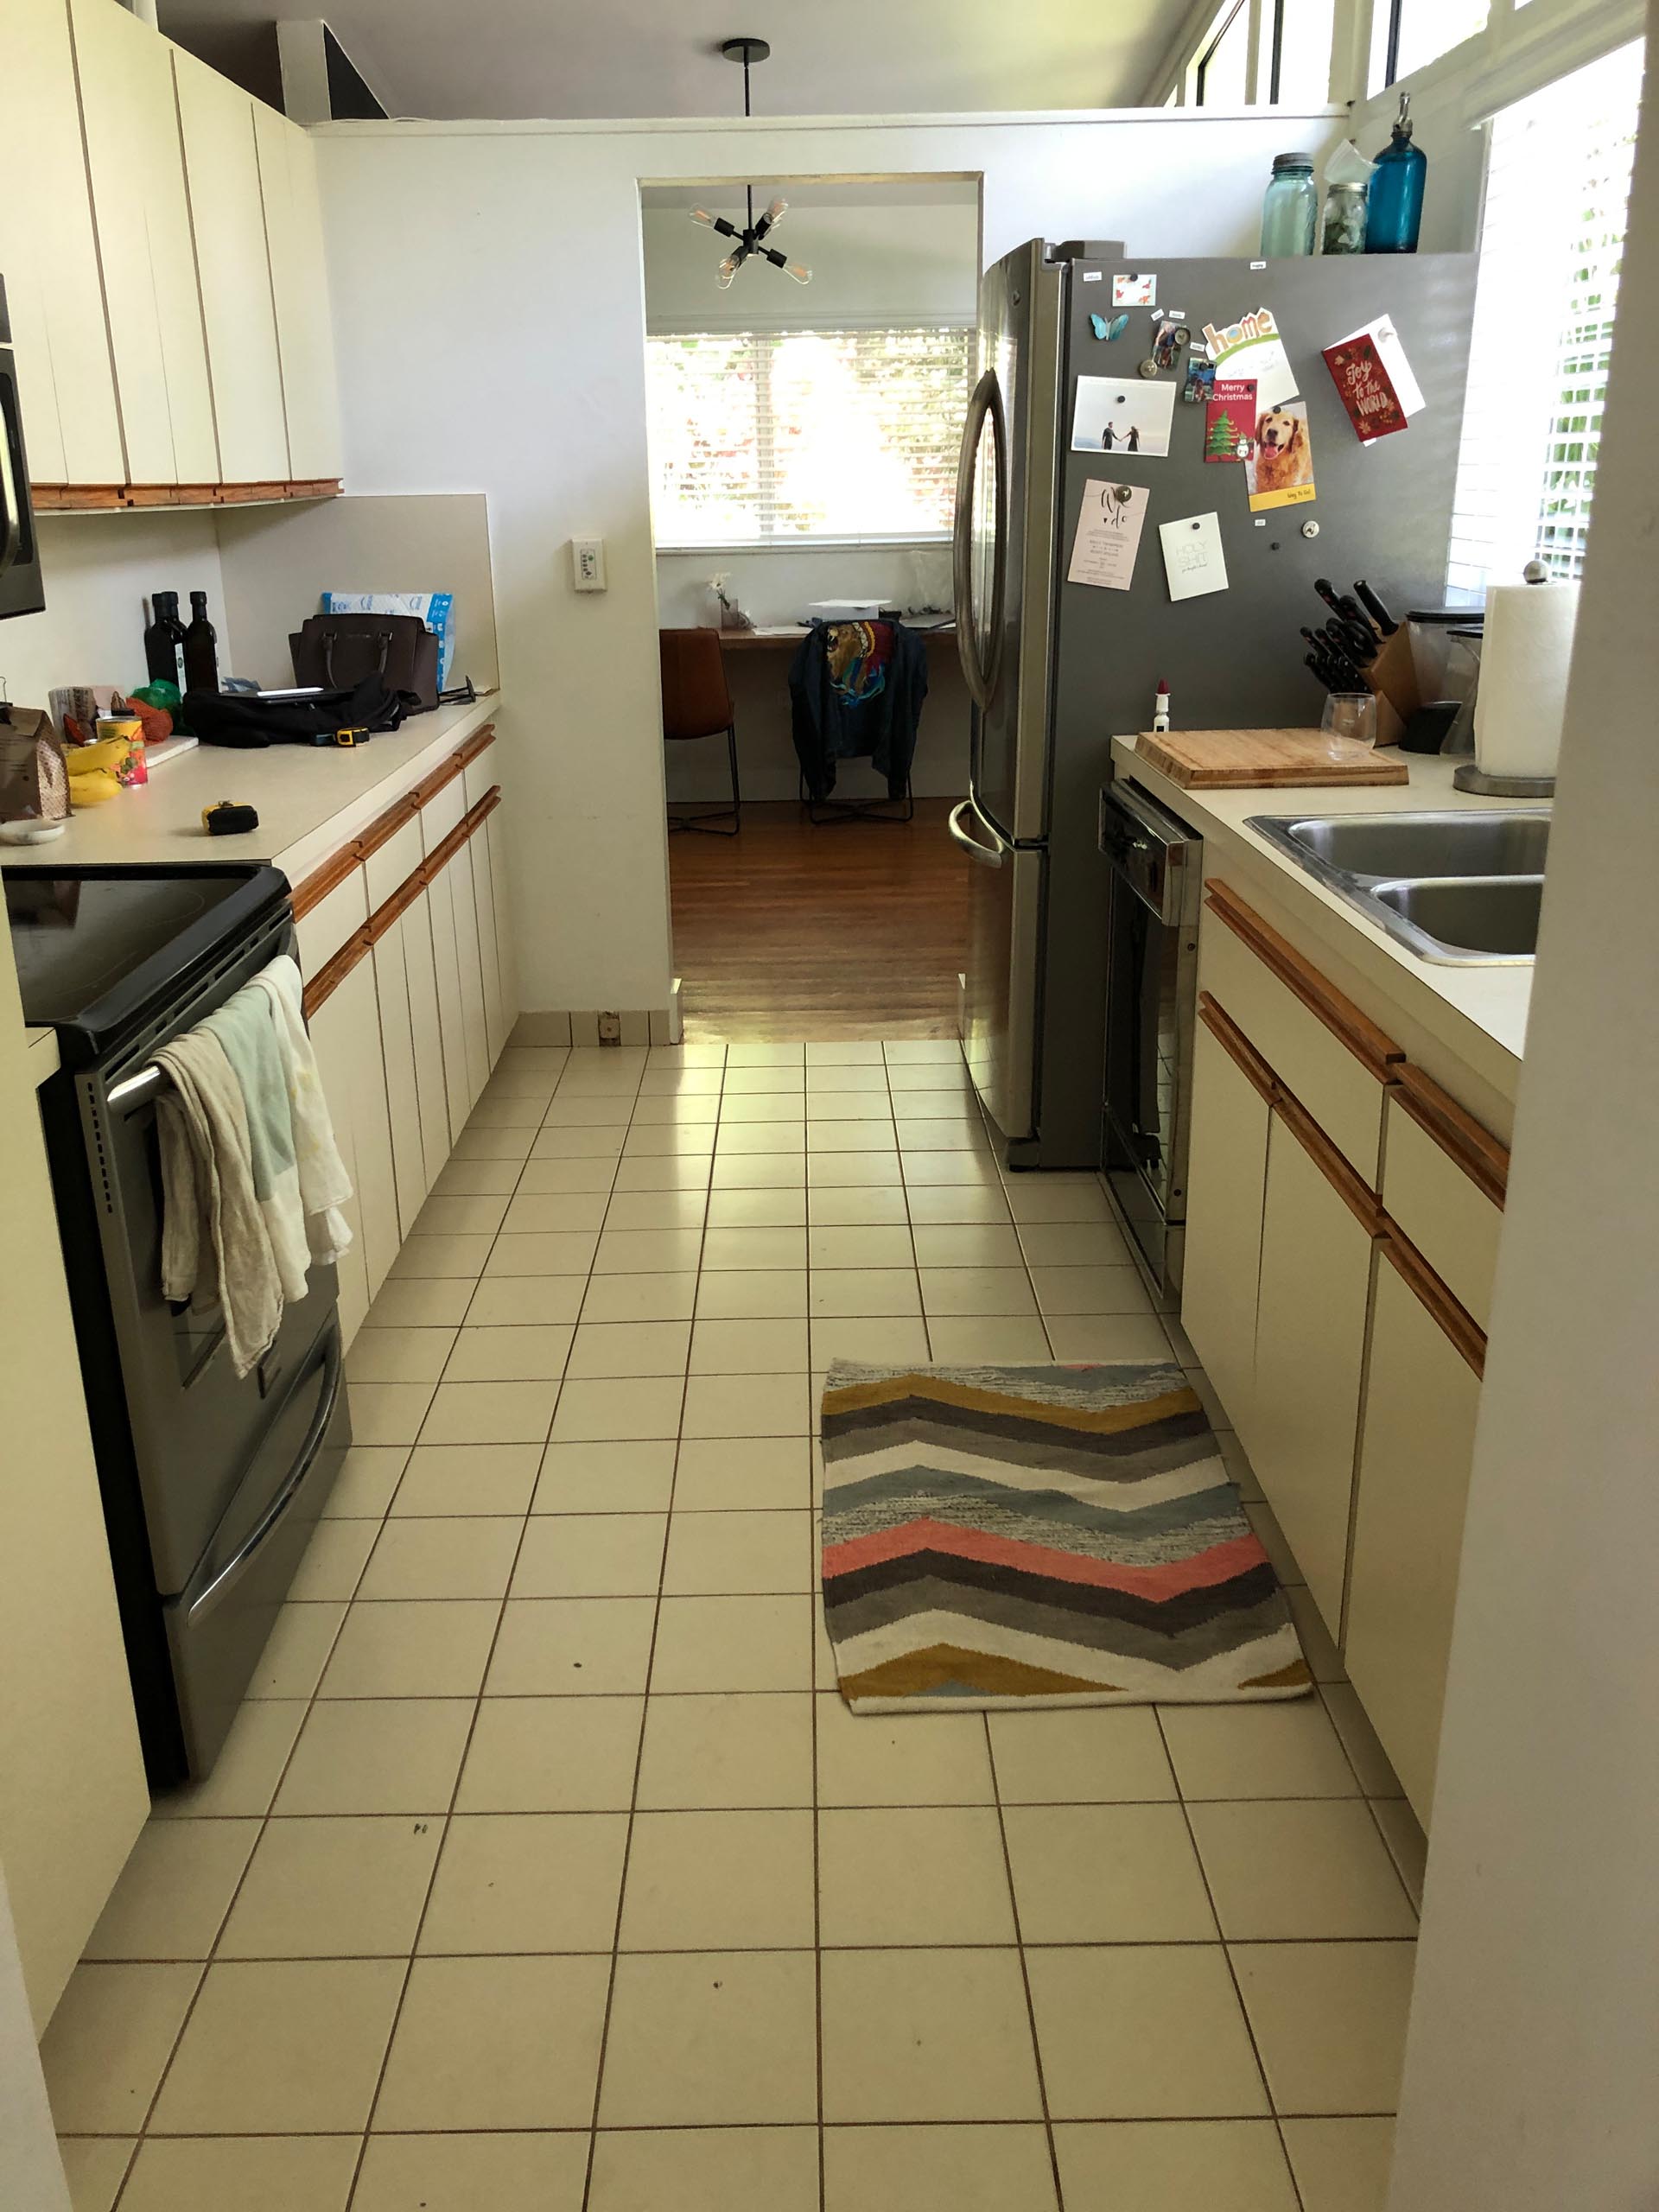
(137, 1086)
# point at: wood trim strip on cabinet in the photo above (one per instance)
(1237, 1047)
(396, 904)
(386, 827)
(1475, 1149)
(476, 816)
(1454, 1320)
(322, 880)
(1372, 1048)
(444, 774)
(1358, 1196)
(333, 972)
(85, 498)
(477, 743)
(398, 901)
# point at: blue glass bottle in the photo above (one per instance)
(1395, 208)
(1290, 210)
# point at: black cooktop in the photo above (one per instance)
(98, 948)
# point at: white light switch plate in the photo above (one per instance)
(588, 563)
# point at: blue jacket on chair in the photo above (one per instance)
(830, 723)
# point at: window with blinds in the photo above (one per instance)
(1552, 240)
(781, 437)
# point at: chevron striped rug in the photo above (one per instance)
(1005, 1536)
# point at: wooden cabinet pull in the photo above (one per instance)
(1454, 1321)
(1372, 1048)
(1237, 1047)
(386, 827)
(317, 886)
(333, 972)
(1475, 1150)
(477, 743)
(1357, 1196)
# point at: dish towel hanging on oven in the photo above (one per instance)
(252, 1179)
(214, 1241)
(324, 1185)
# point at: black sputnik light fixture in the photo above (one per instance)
(752, 238)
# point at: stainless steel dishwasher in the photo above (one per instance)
(1151, 964)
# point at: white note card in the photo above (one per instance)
(1108, 536)
(1193, 560)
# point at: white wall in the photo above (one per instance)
(98, 570)
(525, 380)
(1531, 2067)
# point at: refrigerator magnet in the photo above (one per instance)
(1108, 330)
(1278, 467)
(1134, 290)
(1108, 537)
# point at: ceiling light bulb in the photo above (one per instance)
(799, 271)
(726, 271)
(701, 215)
(777, 211)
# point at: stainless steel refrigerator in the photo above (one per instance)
(1056, 670)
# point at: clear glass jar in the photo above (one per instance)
(1344, 219)
(1290, 212)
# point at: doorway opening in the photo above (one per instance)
(804, 451)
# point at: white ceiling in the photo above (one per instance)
(561, 58)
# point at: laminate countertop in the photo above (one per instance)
(1450, 1019)
(310, 797)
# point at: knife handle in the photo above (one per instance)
(1374, 607)
(1327, 592)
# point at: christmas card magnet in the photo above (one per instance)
(1230, 419)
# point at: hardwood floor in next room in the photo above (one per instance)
(851, 929)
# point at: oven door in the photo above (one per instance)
(1151, 994)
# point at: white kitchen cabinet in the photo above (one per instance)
(470, 959)
(1417, 1442)
(489, 950)
(1324, 1051)
(426, 1033)
(452, 1020)
(299, 286)
(48, 255)
(402, 1083)
(330, 1025)
(234, 262)
(1226, 1182)
(495, 831)
(1443, 1181)
(371, 1138)
(1317, 1230)
(135, 162)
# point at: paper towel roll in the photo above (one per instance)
(1524, 664)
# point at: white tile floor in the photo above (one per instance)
(545, 1871)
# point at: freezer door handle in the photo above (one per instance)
(991, 856)
(980, 665)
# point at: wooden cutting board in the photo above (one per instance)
(1240, 759)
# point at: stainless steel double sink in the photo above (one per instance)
(1463, 889)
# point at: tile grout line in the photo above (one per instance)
(1227, 1955)
(603, 2052)
(1024, 1968)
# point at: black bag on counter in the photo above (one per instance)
(342, 649)
(251, 718)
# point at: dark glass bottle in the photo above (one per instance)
(201, 647)
(1393, 207)
(164, 641)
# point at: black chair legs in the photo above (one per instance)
(710, 821)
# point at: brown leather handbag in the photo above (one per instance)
(338, 651)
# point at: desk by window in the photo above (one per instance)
(769, 636)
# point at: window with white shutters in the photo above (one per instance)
(784, 437)
(1552, 240)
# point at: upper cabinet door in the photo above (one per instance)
(143, 214)
(50, 257)
(226, 210)
(298, 284)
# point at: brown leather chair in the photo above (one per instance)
(697, 703)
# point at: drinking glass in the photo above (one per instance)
(1351, 714)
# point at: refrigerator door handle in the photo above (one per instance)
(991, 856)
(980, 670)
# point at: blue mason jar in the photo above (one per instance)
(1393, 211)
(1290, 212)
